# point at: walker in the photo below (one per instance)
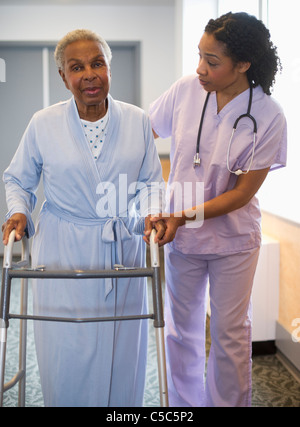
(20, 270)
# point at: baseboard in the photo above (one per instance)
(263, 348)
(287, 346)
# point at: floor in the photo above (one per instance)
(273, 384)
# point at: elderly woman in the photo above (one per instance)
(99, 166)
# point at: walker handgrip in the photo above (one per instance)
(154, 250)
(8, 250)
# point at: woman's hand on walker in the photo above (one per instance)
(160, 228)
(16, 222)
(170, 225)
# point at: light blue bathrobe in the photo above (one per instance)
(85, 223)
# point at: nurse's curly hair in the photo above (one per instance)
(247, 39)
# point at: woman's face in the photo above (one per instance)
(87, 75)
(217, 72)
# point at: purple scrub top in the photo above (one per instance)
(176, 114)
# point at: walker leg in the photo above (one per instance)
(23, 326)
(3, 338)
(4, 308)
(23, 341)
(162, 370)
(159, 324)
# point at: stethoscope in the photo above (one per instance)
(197, 159)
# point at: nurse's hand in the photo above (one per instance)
(171, 224)
(160, 228)
(16, 222)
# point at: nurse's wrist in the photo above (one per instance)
(181, 220)
(187, 216)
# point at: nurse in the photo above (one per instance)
(217, 239)
(101, 176)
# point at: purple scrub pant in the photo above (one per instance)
(227, 382)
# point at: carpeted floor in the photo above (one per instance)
(273, 384)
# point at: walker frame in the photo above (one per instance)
(22, 271)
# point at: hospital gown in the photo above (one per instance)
(87, 221)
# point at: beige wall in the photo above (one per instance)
(288, 234)
(165, 163)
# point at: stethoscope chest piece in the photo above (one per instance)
(197, 160)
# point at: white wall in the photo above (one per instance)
(280, 193)
(196, 15)
(153, 26)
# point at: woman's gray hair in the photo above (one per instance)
(75, 36)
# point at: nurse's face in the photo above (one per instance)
(217, 72)
(87, 75)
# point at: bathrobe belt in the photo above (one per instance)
(114, 232)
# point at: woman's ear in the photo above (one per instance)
(62, 75)
(243, 67)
